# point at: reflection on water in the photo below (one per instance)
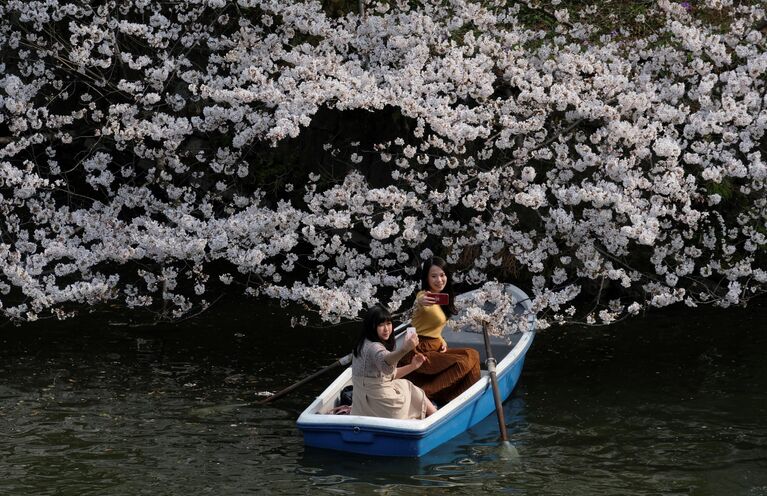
(674, 403)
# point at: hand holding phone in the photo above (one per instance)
(440, 298)
(411, 338)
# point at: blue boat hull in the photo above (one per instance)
(356, 437)
(414, 438)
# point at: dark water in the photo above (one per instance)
(673, 403)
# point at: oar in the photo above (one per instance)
(508, 451)
(490, 362)
(343, 361)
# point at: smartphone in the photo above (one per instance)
(441, 298)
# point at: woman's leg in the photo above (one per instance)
(447, 374)
(457, 378)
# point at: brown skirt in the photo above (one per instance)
(444, 375)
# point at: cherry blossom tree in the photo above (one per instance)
(156, 154)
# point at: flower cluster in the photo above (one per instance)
(135, 136)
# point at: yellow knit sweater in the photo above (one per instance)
(428, 320)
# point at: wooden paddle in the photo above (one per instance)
(490, 362)
(343, 361)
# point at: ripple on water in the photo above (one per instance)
(664, 407)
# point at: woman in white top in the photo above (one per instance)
(379, 387)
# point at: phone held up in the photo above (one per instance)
(440, 298)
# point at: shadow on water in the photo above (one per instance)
(672, 403)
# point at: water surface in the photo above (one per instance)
(671, 403)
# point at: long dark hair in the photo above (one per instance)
(375, 315)
(449, 309)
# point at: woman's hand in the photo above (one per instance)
(415, 363)
(425, 300)
(418, 360)
(443, 346)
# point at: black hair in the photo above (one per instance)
(449, 309)
(374, 316)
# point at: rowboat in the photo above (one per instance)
(414, 438)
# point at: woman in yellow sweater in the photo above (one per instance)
(447, 372)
